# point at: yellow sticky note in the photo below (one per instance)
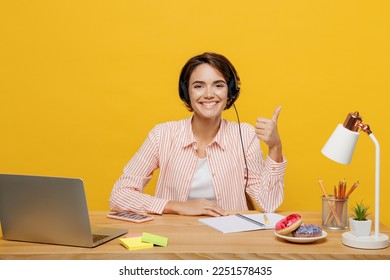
(135, 243)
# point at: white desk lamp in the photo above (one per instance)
(340, 148)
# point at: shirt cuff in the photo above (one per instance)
(158, 206)
(275, 168)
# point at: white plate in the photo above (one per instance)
(301, 239)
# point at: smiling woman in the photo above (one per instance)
(207, 164)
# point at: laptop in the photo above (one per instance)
(50, 210)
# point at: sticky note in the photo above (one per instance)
(155, 239)
(135, 243)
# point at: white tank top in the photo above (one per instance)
(202, 184)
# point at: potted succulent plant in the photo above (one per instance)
(359, 222)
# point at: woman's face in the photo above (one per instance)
(208, 92)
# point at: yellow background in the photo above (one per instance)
(82, 83)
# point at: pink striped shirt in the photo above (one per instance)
(171, 147)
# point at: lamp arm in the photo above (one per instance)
(377, 182)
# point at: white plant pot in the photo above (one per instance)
(360, 228)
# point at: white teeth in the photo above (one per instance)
(209, 104)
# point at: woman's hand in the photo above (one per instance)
(196, 207)
(267, 131)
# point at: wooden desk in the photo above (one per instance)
(190, 239)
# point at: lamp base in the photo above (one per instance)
(365, 242)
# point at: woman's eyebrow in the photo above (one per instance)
(203, 82)
(198, 82)
(219, 81)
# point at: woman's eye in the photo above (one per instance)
(220, 85)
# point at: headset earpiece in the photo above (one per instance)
(183, 92)
(233, 91)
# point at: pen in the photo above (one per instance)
(250, 220)
(266, 219)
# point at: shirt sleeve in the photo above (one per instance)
(127, 193)
(265, 178)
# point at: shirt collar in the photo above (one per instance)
(189, 138)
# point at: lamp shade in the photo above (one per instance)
(341, 145)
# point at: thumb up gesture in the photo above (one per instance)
(267, 131)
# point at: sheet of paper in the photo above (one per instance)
(232, 223)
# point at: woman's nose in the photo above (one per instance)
(209, 92)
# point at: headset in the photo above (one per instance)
(233, 89)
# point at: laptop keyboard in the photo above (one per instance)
(98, 237)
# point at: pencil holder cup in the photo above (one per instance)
(334, 212)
